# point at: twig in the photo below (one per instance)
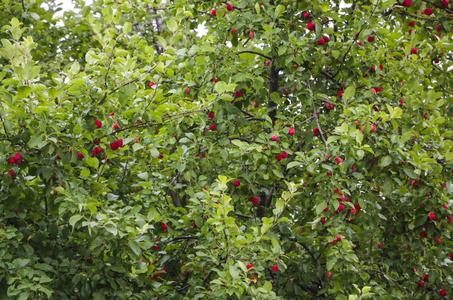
(179, 238)
(4, 127)
(319, 127)
(253, 52)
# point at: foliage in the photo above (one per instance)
(136, 134)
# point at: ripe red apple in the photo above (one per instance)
(406, 3)
(251, 34)
(213, 12)
(160, 156)
(255, 200)
(421, 283)
(274, 138)
(326, 39)
(426, 277)
(414, 51)
(284, 154)
(233, 31)
(316, 131)
(438, 240)
(323, 221)
(371, 39)
(412, 23)
(164, 225)
(254, 104)
(113, 146)
(268, 63)
(151, 84)
(249, 266)
(341, 207)
(229, 7)
(306, 15)
(275, 268)
(238, 94)
(432, 216)
(338, 237)
(80, 155)
(338, 160)
(292, 131)
(120, 142)
(311, 26)
(12, 173)
(321, 41)
(115, 126)
(340, 93)
(98, 124)
(279, 157)
(213, 127)
(211, 115)
(428, 11)
(236, 183)
(423, 234)
(187, 90)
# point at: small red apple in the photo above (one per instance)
(213, 127)
(329, 274)
(113, 146)
(421, 283)
(306, 15)
(211, 115)
(115, 126)
(236, 183)
(274, 138)
(311, 26)
(414, 51)
(213, 12)
(98, 124)
(338, 160)
(275, 268)
(238, 94)
(292, 131)
(251, 34)
(80, 155)
(412, 23)
(321, 42)
(316, 131)
(268, 63)
(160, 156)
(229, 7)
(371, 39)
(12, 173)
(249, 266)
(443, 292)
(255, 200)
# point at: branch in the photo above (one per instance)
(4, 127)
(257, 53)
(319, 127)
(188, 237)
(240, 138)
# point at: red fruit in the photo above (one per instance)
(115, 126)
(157, 247)
(98, 150)
(359, 43)
(338, 160)
(425, 116)
(311, 26)
(285, 91)
(438, 28)
(428, 11)
(421, 283)
(381, 67)
(16, 210)
(113, 146)
(438, 240)
(236, 183)
(323, 220)
(401, 101)
(450, 219)
(149, 84)
(254, 104)
(371, 39)
(268, 63)
(160, 156)
(423, 234)
(233, 31)
(12, 173)
(276, 269)
(333, 242)
(164, 225)
(410, 31)
(326, 209)
(211, 115)
(321, 42)
(306, 15)
(249, 266)
(426, 277)
(316, 131)
(213, 12)
(98, 124)
(329, 274)
(137, 140)
(17, 157)
(214, 80)
(414, 51)
(411, 23)
(12, 160)
(443, 292)
(229, 7)
(284, 154)
(194, 224)
(432, 216)
(338, 237)
(340, 93)
(251, 34)
(213, 127)
(120, 142)
(255, 200)
(187, 90)
(373, 68)
(357, 206)
(80, 155)
(373, 128)
(451, 256)
(406, 3)
(291, 131)
(326, 39)
(238, 94)
(279, 157)
(414, 182)
(97, 141)
(329, 173)
(274, 138)
(341, 207)
(352, 168)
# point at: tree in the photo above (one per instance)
(246, 150)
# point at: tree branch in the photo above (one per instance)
(257, 53)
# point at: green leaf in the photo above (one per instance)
(172, 25)
(93, 162)
(349, 92)
(385, 161)
(279, 11)
(74, 219)
(135, 247)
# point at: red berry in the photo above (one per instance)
(236, 183)
(80, 155)
(291, 131)
(213, 127)
(238, 94)
(275, 268)
(213, 12)
(414, 51)
(249, 266)
(255, 200)
(113, 146)
(311, 26)
(98, 124)
(211, 115)
(306, 15)
(229, 7)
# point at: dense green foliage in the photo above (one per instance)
(143, 160)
